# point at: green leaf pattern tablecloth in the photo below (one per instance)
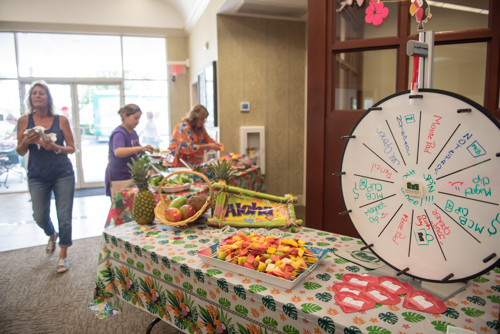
(156, 268)
(123, 202)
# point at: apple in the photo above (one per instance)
(187, 211)
(173, 214)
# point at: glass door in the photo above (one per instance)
(97, 116)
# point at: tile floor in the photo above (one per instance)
(19, 230)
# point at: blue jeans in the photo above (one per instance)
(64, 191)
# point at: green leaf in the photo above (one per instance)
(388, 317)
(312, 285)
(327, 324)
(156, 272)
(340, 261)
(346, 239)
(255, 288)
(268, 302)
(270, 322)
(413, 317)
(187, 286)
(213, 272)
(224, 302)
(324, 277)
(323, 244)
(190, 246)
(168, 278)
(241, 310)
(472, 312)
(239, 290)
(199, 275)
(222, 284)
(290, 310)
(324, 297)
(477, 300)
(290, 330)
(202, 293)
(185, 270)
(451, 313)
(310, 308)
(352, 330)
(481, 279)
(494, 299)
(377, 330)
(176, 259)
(441, 326)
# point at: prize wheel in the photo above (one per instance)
(420, 182)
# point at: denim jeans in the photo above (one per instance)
(64, 190)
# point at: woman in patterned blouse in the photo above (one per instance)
(190, 139)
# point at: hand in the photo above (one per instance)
(32, 138)
(148, 148)
(49, 145)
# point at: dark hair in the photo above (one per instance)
(128, 110)
(198, 112)
(50, 101)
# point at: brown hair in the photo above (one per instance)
(198, 112)
(50, 101)
(128, 110)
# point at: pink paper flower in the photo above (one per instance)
(376, 12)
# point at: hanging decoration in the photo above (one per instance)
(422, 12)
(349, 2)
(376, 12)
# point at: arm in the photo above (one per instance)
(68, 138)
(23, 142)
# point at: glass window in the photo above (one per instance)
(144, 58)
(351, 22)
(459, 68)
(453, 15)
(69, 56)
(152, 98)
(8, 66)
(364, 78)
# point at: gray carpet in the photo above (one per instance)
(34, 298)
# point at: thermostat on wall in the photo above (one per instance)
(245, 106)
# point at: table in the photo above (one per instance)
(156, 268)
(123, 202)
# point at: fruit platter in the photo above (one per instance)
(279, 261)
(180, 182)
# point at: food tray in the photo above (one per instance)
(206, 256)
(173, 189)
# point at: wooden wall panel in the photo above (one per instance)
(262, 61)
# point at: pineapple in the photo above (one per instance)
(221, 171)
(144, 201)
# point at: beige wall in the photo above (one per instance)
(205, 31)
(262, 61)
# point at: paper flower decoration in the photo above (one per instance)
(376, 12)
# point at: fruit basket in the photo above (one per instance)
(164, 203)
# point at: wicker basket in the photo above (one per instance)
(164, 203)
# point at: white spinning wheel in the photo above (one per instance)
(421, 184)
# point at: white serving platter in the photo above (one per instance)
(206, 256)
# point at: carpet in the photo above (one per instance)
(36, 299)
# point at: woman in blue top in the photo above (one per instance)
(49, 168)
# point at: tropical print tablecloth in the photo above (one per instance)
(156, 268)
(122, 207)
(123, 202)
